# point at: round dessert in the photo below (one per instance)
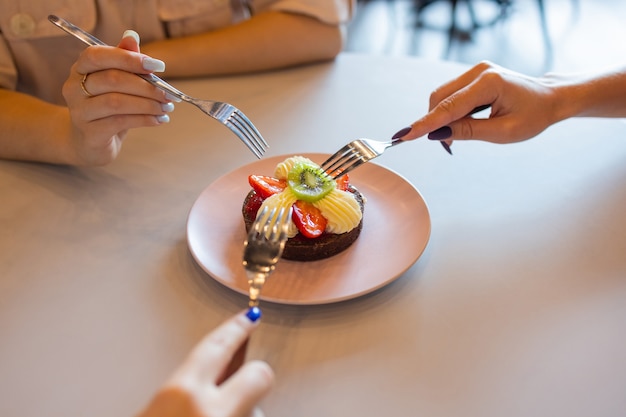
(327, 214)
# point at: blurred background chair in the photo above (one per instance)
(521, 34)
(458, 32)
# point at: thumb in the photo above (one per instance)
(130, 41)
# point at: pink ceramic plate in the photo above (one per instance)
(396, 229)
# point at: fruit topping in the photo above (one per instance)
(266, 186)
(252, 204)
(343, 183)
(308, 219)
(309, 182)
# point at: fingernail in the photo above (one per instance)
(401, 132)
(167, 107)
(163, 118)
(151, 64)
(446, 147)
(254, 313)
(131, 34)
(441, 133)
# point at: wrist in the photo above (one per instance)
(566, 95)
(596, 94)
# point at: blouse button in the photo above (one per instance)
(23, 25)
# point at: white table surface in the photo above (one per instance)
(516, 308)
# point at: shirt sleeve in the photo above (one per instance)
(332, 12)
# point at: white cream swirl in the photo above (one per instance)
(341, 210)
(283, 168)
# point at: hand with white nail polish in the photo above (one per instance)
(521, 106)
(105, 99)
(214, 379)
(112, 99)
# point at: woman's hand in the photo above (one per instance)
(203, 387)
(521, 107)
(105, 98)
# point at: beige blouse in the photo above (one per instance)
(35, 55)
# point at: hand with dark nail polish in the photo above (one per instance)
(522, 106)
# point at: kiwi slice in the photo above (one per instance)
(309, 182)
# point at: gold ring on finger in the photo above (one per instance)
(82, 86)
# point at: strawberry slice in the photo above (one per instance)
(308, 219)
(266, 186)
(251, 205)
(343, 182)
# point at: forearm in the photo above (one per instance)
(601, 94)
(267, 41)
(33, 130)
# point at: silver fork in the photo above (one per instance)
(354, 154)
(263, 248)
(226, 113)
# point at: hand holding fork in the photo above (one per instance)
(226, 113)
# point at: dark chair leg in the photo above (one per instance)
(454, 31)
(453, 27)
(546, 34)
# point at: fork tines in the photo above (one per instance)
(247, 132)
(266, 240)
(270, 224)
(344, 160)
